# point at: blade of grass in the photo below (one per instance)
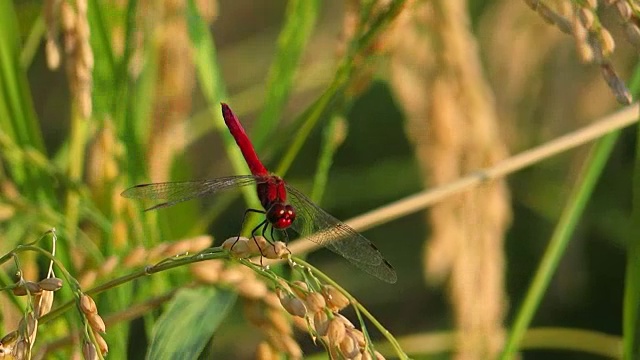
(631, 302)
(300, 19)
(19, 118)
(561, 236)
(210, 80)
(331, 140)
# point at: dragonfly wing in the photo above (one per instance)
(172, 193)
(319, 226)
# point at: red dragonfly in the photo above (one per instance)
(302, 215)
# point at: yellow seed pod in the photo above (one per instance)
(335, 299)
(51, 284)
(96, 322)
(315, 302)
(87, 305)
(321, 323)
(336, 331)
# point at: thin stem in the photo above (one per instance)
(559, 240)
(167, 264)
(422, 200)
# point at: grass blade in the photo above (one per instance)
(300, 20)
(189, 322)
(562, 234)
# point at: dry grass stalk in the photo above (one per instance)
(175, 81)
(79, 55)
(594, 42)
(440, 85)
(18, 343)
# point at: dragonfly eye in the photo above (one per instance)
(281, 216)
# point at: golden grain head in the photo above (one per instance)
(632, 32)
(321, 323)
(335, 299)
(43, 304)
(315, 302)
(89, 351)
(32, 287)
(96, 322)
(109, 265)
(257, 244)
(232, 276)
(136, 257)
(207, 271)
(279, 321)
(294, 306)
(349, 346)
(266, 352)
(359, 336)
(28, 324)
(291, 347)
(19, 290)
(87, 305)
(608, 44)
(300, 288)
(336, 331)
(252, 289)
(50, 284)
(239, 247)
(278, 250)
(378, 355)
(624, 10)
(102, 344)
(586, 17)
(366, 355)
(21, 349)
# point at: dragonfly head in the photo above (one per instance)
(281, 216)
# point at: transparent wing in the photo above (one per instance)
(175, 192)
(320, 227)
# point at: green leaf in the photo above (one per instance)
(300, 19)
(190, 321)
(631, 308)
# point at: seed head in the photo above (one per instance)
(301, 289)
(336, 331)
(50, 284)
(87, 305)
(89, 351)
(277, 251)
(321, 323)
(349, 346)
(266, 352)
(102, 344)
(96, 322)
(335, 299)
(315, 302)
(294, 306)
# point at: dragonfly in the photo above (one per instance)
(284, 206)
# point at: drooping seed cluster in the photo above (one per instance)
(593, 41)
(79, 55)
(321, 310)
(18, 343)
(88, 307)
(261, 306)
(243, 247)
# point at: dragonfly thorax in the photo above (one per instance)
(280, 215)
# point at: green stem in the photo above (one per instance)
(559, 240)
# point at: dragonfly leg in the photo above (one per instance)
(244, 218)
(262, 225)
